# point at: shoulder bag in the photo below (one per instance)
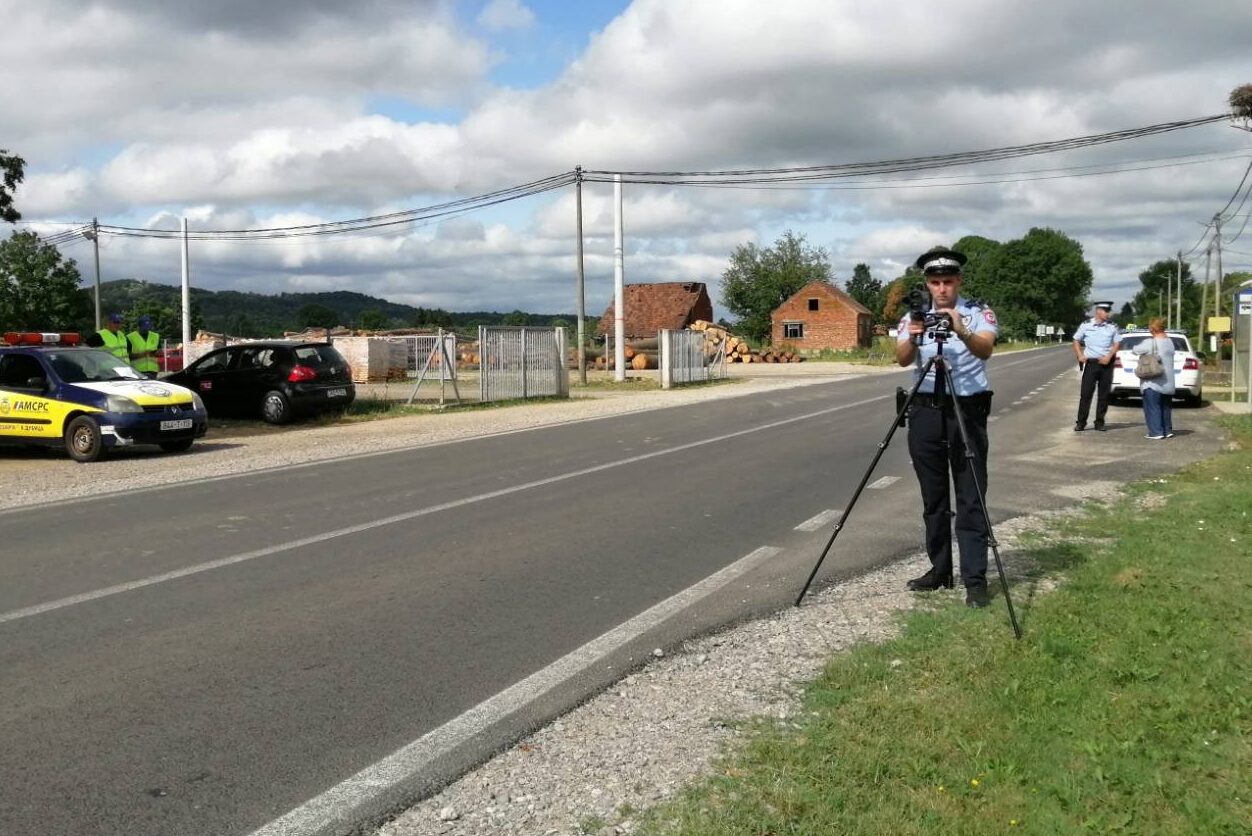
(1150, 364)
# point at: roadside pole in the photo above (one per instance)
(619, 286)
(186, 295)
(582, 299)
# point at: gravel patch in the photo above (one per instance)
(647, 737)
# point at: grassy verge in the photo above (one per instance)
(1125, 709)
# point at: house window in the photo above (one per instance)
(812, 304)
(793, 330)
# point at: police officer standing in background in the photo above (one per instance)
(144, 343)
(111, 338)
(1095, 344)
(934, 437)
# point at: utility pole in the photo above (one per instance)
(1178, 298)
(619, 285)
(1217, 280)
(582, 305)
(186, 296)
(94, 237)
(1204, 295)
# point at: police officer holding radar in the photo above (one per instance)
(1095, 344)
(935, 442)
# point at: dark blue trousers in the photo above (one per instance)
(940, 464)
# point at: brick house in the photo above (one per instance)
(651, 307)
(822, 316)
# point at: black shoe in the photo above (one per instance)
(1099, 425)
(1079, 427)
(929, 582)
(976, 597)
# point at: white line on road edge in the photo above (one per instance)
(278, 548)
(886, 481)
(342, 804)
(820, 521)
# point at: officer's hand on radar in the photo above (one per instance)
(916, 327)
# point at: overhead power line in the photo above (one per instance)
(910, 164)
(408, 216)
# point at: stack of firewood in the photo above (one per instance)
(737, 349)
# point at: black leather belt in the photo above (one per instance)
(927, 399)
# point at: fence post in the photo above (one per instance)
(665, 358)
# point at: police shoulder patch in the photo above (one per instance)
(989, 316)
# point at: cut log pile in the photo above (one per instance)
(737, 348)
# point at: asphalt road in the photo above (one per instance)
(205, 658)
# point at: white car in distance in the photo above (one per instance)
(1188, 370)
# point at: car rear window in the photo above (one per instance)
(317, 356)
(1128, 343)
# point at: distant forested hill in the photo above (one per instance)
(262, 315)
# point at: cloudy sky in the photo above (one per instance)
(238, 114)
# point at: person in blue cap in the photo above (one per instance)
(111, 338)
(1095, 345)
(144, 343)
(935, 442)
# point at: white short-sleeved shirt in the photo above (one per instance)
(1097, 337)
(969, 373)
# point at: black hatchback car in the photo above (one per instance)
(275, 380)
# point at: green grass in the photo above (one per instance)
(1126, 708)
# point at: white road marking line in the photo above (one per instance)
(885, 481)
(278, 548)
(339, 804)
(820, 521)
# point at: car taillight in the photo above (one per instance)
(1191, 364)
(1117, 361)
(300, 374)
(347, 369)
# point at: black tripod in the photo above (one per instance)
(943, 381)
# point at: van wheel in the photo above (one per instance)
(180, 446)
(275, 408)
(83, 440)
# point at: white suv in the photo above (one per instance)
(1188, 374)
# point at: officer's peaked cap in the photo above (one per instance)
(940, 260)
(1108, 306)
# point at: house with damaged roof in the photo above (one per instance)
(651, 307)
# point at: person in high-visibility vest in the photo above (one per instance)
(144, 343)
(112, 339)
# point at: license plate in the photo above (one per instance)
(180, 424)
(336, 393)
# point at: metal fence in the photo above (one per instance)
(432, 357)
(682, 359)
(521, 363)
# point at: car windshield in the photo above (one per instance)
(91, 366)
(1129, 342)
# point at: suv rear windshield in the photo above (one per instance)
(1128, 343)
(317, 356)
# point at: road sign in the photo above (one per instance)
(1221, 324)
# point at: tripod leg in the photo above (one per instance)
(882, 448)
(970, 455)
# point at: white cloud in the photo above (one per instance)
(269, 111)
(506, 14)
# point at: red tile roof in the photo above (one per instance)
(651, 307)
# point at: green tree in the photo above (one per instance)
(866, 289)
(979, 270)
(373, 319)
(314, 315)
(517, 317)
(167, 320)
(759, 280)
(1040, 277)
(38, 289)
(1158, 284)
(13, 169)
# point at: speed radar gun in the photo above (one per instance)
(938, 326)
